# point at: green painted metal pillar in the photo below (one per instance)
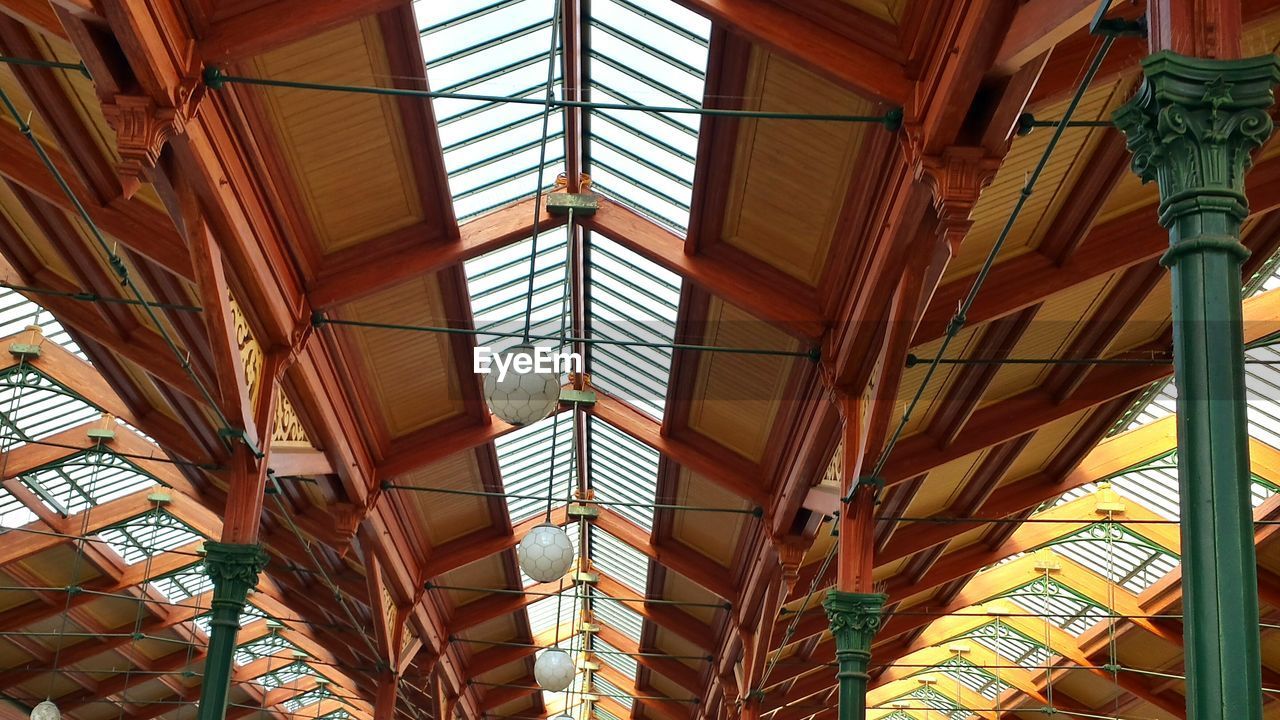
(855, 618)
(1191, 128)
(234, 570)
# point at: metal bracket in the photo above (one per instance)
(1116, 27)
(559, 203)
(233, 435)
(583, 510)
(578, 397)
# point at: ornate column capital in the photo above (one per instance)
(234, 569)
(855, 619)
(1192, 127)
(791, 551)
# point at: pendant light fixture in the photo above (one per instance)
(546, 553)
(554, 670)
(521, 395)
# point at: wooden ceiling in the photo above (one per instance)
(797, 235)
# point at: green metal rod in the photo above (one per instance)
(319, 319)
(540, 593)
(655, 698)
(756, 512)
(51, 64)
(497, 643)
(96, 298)
(216, 78)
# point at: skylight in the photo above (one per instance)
(86, 479)
(33, 406)
(631, 298)
(148, 536)
(498, 283)
(600, 686)
(616, 615)
(17, 312)
(183, 584)
(543, 613)
(623, 470)
(1118, 554)
(492, 48)
(619, 560)
(525, 459)
(1009, 644)
(13, 512)
(974, 678)
(308, 698)
(614, 658)
(646, 52)
(265, 646)
(1058, 604)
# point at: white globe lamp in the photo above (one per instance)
(545, 553)
(46, 710)
(554, 670)
(522, 395)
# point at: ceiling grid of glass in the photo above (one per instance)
(491, 149)
(86, 480)
(148, 536)
(630, 298)
(646, 52)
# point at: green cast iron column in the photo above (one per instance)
(234, 570)
(855, 618)
(1191, 128)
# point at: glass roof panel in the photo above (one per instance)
(148, 536)
(1057, 603)
(33, 406)
(264, 646)
(17, 312)
(308, 698)
(603, 687)
(619, 560)
(977, 679)
(13, 513)
(623, 469)
(1009, 644)
(183, 584)
(287, 675)
(498, 283)
(931, 698)
(631, 298)
(525, 459)
(1118, 554)
(500, 48)
(646, 52)
(600, 712)
(616, 615)
(86, 480)
(543, 613)
(613, 657)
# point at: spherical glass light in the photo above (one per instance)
(545, 553)
(523, 396)
(554, 670)
(46, 710)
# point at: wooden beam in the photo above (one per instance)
(817, 47)
(271, 25)
(1038, 26)
(405, 255)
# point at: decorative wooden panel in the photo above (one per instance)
(346, 152)
(716, 536)
(943, 484)
(410, 375)
(789, 179)
(445, 517)
(1043, 447)
(736, 396)
(887, 10)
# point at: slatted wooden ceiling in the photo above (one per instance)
(344, 203)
